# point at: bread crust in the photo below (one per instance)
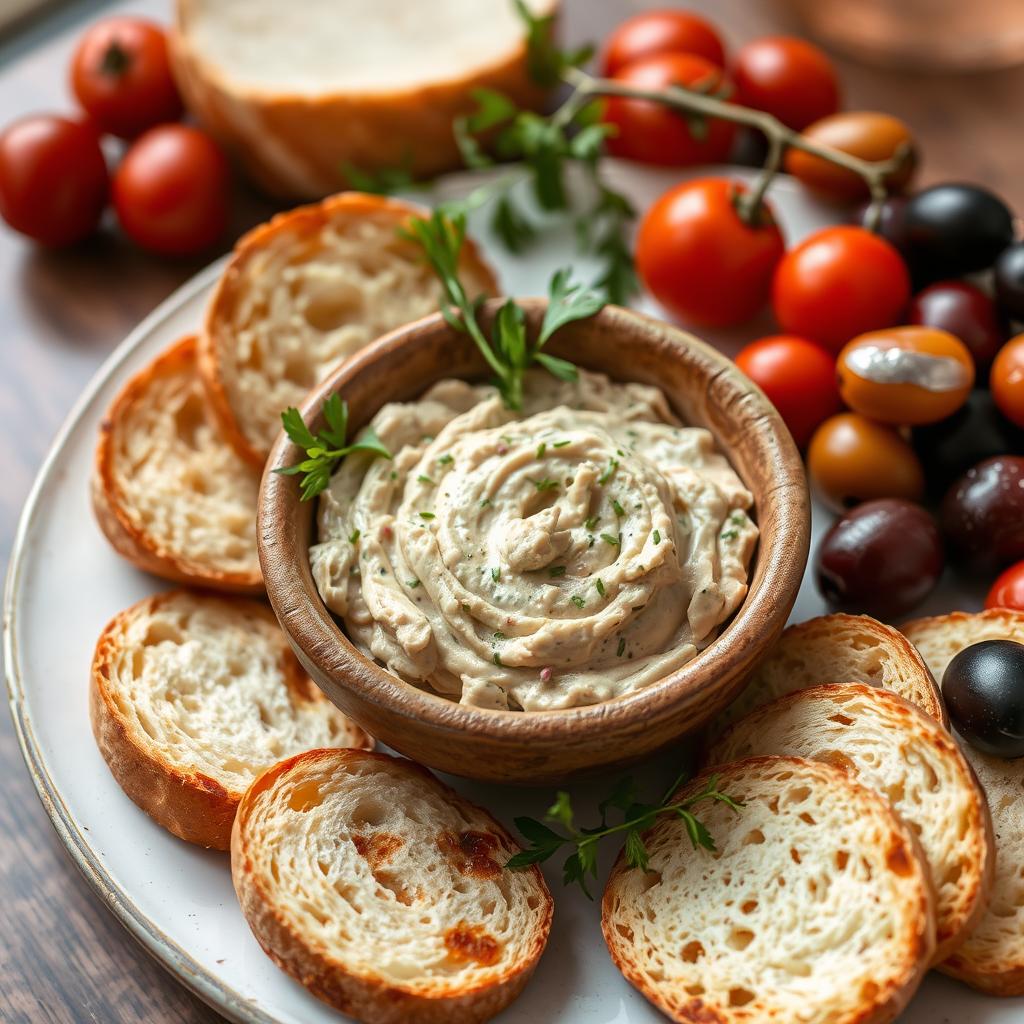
(190, 805)
(295, 147)
(362, 996)
(140, 548)
(975, 882)
(303, 222)
(982, 969)
(887, 1002)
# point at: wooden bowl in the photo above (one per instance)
(706, 389)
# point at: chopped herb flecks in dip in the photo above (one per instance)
(577, 550)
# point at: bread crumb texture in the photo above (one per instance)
(815, 907)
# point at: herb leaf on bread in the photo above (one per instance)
(326, 449)
(637, 818)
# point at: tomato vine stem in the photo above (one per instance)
(873, 172)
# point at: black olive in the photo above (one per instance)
(955, 229)
(983, 688)
(1009, 280)
(882, 558)
(977, 431)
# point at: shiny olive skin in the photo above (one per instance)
(983, 690)
(1009, 280)
(982, 514)
(955, 229)
(965, 311)
(881, 558)
(977, 431)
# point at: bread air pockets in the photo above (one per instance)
(169, 493)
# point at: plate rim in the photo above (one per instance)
(180, 964)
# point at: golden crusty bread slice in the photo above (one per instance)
(816, 907)
(892, 746)
(992, 958)
(839, 648)
(304, 292)
(171, 496)
(300, 91)
(194, 695)
(384, 892)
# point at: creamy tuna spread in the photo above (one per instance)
(572, 552)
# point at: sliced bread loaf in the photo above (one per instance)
(192, 696)
(384, 892)
(816, 907)
(840, 649)
(892, 746)
(304, 292)
(992, 958)
(171, 496)
(300, 91)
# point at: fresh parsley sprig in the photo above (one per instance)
(508, 351)
(637, 817)
(326, 449)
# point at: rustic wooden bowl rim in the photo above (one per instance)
(317, 636)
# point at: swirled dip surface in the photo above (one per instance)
(564, 555)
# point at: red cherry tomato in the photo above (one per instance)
(798, 377)
(1007, 380)
(787, 77)
(965, 310)
(53, 179)
(838, 283)
(653, 133)
(655, 32)
(121, 75)
(171, 190)
(700, 260)
(1008, 589)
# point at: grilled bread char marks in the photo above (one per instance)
(992, 958)
(169, 494)
(888, 744)
(840, 648)
(376, 86)
(817, 906)
(384, 892)
(191, 697)
(304, 292)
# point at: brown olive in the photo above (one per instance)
(881, 558)
(983, 513)
(851, 459)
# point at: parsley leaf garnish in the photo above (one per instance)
(326, 449)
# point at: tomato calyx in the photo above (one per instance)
(750, 207)
(116, 60)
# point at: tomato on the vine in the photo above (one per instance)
(838, 283)
(787, 77)
(1008, 589)
(53, 179)
(655, 32)
(798, 377)
(654, 133)
(700, 260)
(121, 75)
(171, 190)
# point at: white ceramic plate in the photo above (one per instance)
(65, 583)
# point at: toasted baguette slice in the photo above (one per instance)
(892, 746)
(992, 958)
(192, 696)
(304, 292)
(816, 907)
(384, 892)
(840, 649)
(303, 91)
(171, 496)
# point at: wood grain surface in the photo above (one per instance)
(63, 958)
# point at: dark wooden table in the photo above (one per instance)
(63, 958)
